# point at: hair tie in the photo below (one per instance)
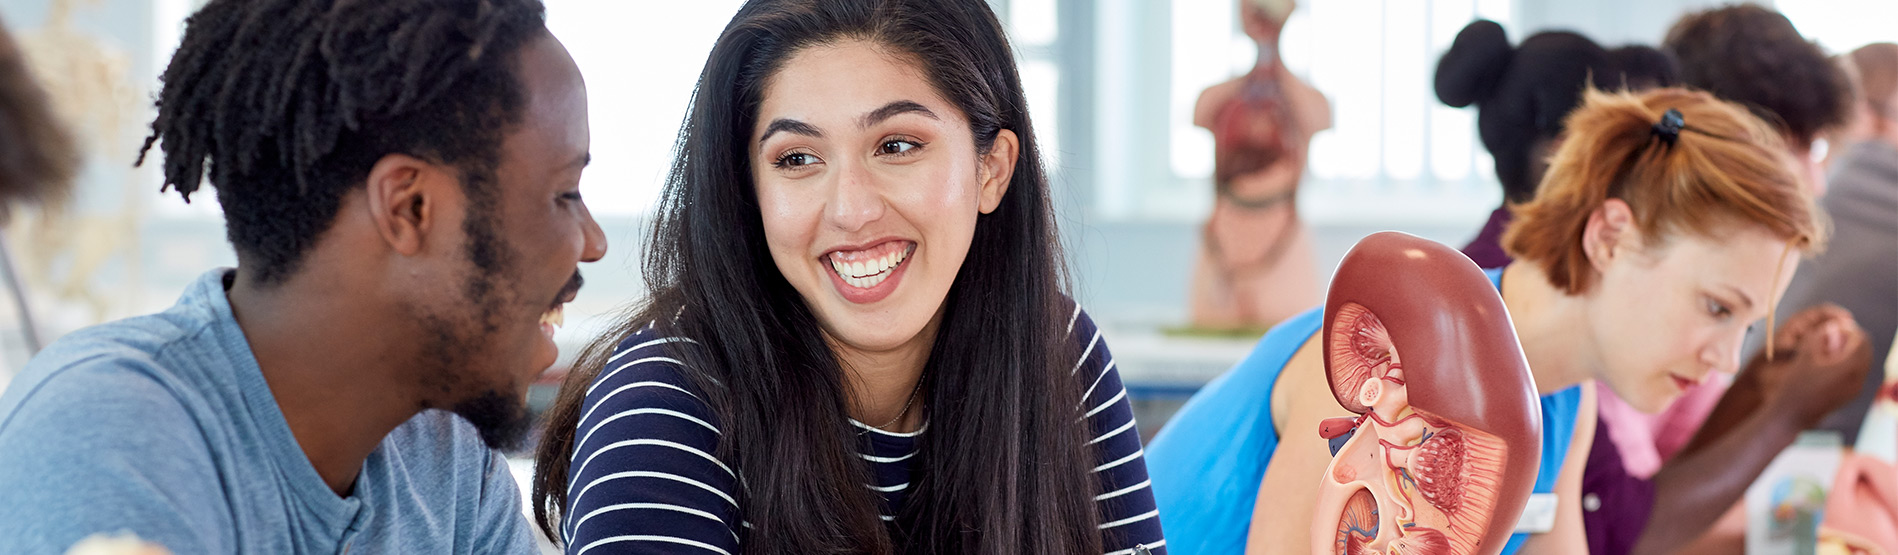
(1670, 126)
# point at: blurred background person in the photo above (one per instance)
(1860, 270)
(1754, 56)
(37, 162)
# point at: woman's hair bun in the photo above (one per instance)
(1476, 62)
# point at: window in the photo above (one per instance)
(1393, 151)
(641, 61)
(1842, 25)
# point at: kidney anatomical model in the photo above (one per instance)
(1444, 452)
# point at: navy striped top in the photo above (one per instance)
(645, 479)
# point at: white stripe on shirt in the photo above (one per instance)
(1132, 519)
(667, 539)
(1090, 350)
(616, 391)
(1097, 381)
(1122, 460)
(656, 506)
(1122, 491)
(887, 489)
(609, 374)
(1109, 403)
(660, 442)
(1130, 551)
(877, 459)
(652, 474)
(635, 412)
(1117, 431)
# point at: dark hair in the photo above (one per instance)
(1522, 92)
(1644, 67)
(1007, 471)
(289, 103)
(1754, 56)
(37, 156)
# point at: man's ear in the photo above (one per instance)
(1610, 232)
(998, 168)
(399, 201)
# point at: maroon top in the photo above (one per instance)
(1486, 250)
(1615, 505)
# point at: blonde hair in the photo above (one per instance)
(1725, 167)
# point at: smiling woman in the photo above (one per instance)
(857, 312)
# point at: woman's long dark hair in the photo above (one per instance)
(1003, 469)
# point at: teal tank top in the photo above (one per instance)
(1207, 463)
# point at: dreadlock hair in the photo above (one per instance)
(289, 103)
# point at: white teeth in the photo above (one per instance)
(867, 274)
(557, 316)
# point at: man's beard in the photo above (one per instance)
(502, 419)
(456, 346)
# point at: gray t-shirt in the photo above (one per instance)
(162, 425)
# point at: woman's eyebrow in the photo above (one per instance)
(790, 126)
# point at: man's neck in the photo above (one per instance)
(331, 365)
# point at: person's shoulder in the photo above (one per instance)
(652, 372)
(189, 322)
(652, 354)
(109, 443)
(95, 383)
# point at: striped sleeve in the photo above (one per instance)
(645, 478)
(1129, 517)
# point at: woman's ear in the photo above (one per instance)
(1609, 233)
(998, 168)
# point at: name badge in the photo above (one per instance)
(1538, 516)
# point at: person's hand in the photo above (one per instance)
(1820, 360)
(115, 544)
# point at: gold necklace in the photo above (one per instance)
(906, 405)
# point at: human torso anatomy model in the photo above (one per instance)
(1255, 264)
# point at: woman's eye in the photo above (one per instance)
(897, 146)
(1717, 309)
(795, 160)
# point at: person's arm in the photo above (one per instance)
(1129, 516)
(1569, 535)
(102, 448)
(645, 477)
(1821, 367)
(1283, 515)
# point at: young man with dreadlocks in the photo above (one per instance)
(399, 179)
